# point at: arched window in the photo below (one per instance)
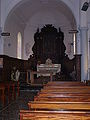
(19, 45)
(74, 43)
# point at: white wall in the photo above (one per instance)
(1, 41)
(88, 22)
(37, 20)
(10, 42)
(7, 6)
(0, 11)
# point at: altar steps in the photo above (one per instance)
(42, 80)
(62, 77)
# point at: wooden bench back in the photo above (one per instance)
(47, 105)
(73, 90)
(54, 115)
(69, 83)
(60, 101)
(64, 99)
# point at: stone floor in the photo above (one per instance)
(11, 111)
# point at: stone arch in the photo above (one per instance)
(14, 5)
(20, 4)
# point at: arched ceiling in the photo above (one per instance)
(22, 12)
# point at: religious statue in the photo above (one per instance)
(48, 61)
(15, 74)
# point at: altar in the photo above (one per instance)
(47, 69)
(53, 68)
(44, 70)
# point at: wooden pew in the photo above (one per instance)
(48, 105)
(55, 102)
(69, 83)
(47, 94)
(60, 87)
(77, 88)
(54, 115)
(61, 94)
(64, 99)
(68, 90)
(7, 88)
(72, 93)
(65, 87)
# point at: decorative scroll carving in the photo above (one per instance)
(49, 44)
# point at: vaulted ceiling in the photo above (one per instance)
(22, 12)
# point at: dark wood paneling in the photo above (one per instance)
(8, 64)
(49, 44)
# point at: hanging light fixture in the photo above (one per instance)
(85, 6)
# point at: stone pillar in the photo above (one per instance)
(84, 42)
(78, 43)
(1, 42)
(84, 53)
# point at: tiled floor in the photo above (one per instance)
(11, 111)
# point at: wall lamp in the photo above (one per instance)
(85, 6)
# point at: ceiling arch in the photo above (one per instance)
(23, 11)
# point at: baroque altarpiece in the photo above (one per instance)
(49, 44)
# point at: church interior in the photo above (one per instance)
(44, 60)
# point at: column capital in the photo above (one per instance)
(0, 30)
(83, 28)
(78, 55)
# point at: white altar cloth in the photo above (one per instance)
(54, 68)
